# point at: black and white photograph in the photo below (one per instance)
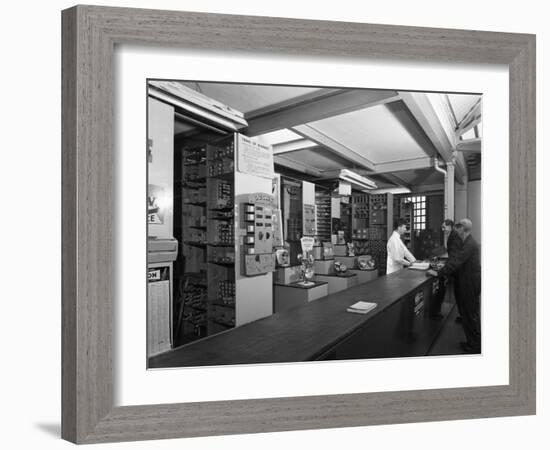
(291, 224)
(275, 225)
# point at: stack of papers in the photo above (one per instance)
(361, 307)
(420, 265)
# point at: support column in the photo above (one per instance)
(450, 192)
(461, 200)
(389, 217)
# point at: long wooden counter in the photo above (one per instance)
(399, 326)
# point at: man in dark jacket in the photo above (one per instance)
(453, 245)
(466, 268)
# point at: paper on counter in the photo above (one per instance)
(361, 307)
(420, 265)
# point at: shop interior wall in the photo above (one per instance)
(461, 201)
(474, 208)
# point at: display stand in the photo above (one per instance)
(215, 295)
(349, 261)
(337, 283)
(324, 266)
(322, 202)
(287, 275)
(380, 229)
(364, 276)
(288, 296)
(340, 249)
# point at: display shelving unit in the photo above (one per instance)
(360, 223)
(322, 202)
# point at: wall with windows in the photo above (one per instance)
(419, 206)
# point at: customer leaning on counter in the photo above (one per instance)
(466, 267)
(399, 255)
(453, 244)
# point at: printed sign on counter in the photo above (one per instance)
(254, 158)
(307, 243)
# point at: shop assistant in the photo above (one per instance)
(466, 268)
(399, 255)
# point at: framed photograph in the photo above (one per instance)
(245, 199)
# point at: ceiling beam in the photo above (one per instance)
(468, 126)
(295, 165)
(396, 180)
(284, 105)
(406, 164)
(420, 107)
(427, 187)
(469, 145)
(312, 134)
(319, 107)
(450, 107)
(293, 146)
(470, 119)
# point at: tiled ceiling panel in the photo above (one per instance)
(318, 158)
(380, 133)
(248, 97)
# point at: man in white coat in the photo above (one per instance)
(399, 255)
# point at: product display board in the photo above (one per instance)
(258, 239)
(341, 226)
(322, 202)
(309, 220)
(278, 239)
(291, 206)
(406, 212)
(378, 236)
(360, 223)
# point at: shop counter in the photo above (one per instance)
(364, 276)
(287, 296)
(400, 325)
(337, 283)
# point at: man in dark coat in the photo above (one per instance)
(466, 268)
(453, 245)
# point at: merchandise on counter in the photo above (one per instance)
(328, 250)
(361, 307)
(283, 258)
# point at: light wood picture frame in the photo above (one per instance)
(89, 36)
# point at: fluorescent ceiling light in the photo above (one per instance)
(356, 179)
(395, 190)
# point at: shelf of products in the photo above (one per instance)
(191, 305)
(322, 201)
(377, 231)
(205, 228)
(221, 234)
(223, 304)
(406, 212)
(345, 222)
(360, 223)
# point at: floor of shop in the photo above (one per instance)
(449, 338)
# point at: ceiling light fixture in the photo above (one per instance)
(356, 179)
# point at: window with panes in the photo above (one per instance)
(419, 206)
